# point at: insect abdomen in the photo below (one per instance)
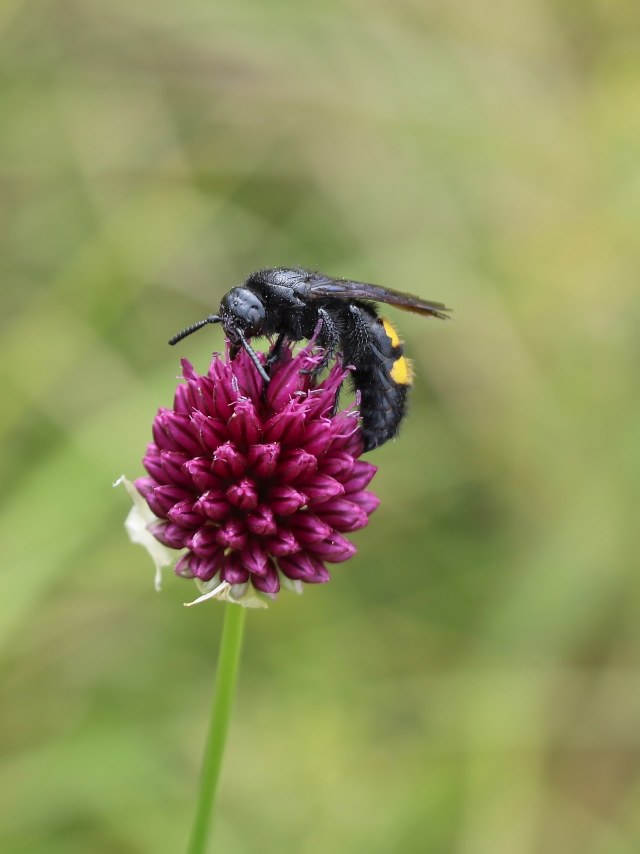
(383, 379)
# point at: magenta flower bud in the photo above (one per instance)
(172, 462)
(287, 426)
(244, 426)
(269, 581)
(257, 483)
(162, 498)
(304, 567)
(233, 571)
(214, 505)
(286, 383)
(263, 459)
(162, 441)
(152, 463)
(183, 400)
(296, 464)
(343, 515)
(204, 542)
(211, 431)
(261, 522)
(335, 549)
(232, 534)
(321, 487)
(243, 494)
(317, 437)
(170, 535)
(227, 462)
(285, 500)
(321, 402)
(361, 477)
(367, 500)
(194, 566)
(179, 430)
(185, 514)
(308, 528)
(346, 434)
(338, 465)
(205, 568)
(145, 485)
(255, 557)
(183, 566)
(225, 393)
(199, 469)
(284, 543)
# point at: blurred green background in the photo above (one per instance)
(470, 682)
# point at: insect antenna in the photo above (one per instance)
(213, 318)
(253, 356)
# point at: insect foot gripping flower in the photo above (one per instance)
(256, 484)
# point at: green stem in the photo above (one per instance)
(225, 682)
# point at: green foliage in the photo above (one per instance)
(469, 682)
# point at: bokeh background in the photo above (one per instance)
(470, 682)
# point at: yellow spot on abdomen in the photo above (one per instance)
(391, 332)
(401, 371)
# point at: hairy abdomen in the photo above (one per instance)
(383, 377)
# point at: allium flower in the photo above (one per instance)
(256, 482)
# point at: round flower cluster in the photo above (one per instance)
(256, 482)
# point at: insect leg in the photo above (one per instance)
(330, 336)
(362, 332)
(276, 350)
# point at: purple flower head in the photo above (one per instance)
(256, 483)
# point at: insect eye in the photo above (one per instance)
(246, 308)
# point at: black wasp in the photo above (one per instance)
(290, 303)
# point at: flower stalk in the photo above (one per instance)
(224, 692)
(251, 486)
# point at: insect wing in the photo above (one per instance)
(321, 287)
